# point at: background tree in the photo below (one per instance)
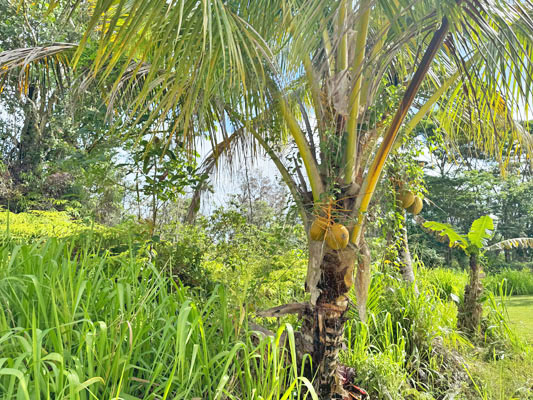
(51, 136)
(161, 174)
(463, 193)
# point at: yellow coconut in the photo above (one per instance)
(416, 207)
(318, 229)
(407, 198)
(348, 277)
(337, 237)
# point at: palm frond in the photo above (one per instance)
(54, 57)
(23, 57)
(192, 51)
(484, 105)
(227, 147)
(512, 243)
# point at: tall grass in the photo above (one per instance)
(449, 284)
(74, 326)
(516, 282)
(405, 346)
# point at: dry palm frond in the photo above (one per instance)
(23, 57)
(52, 57)
(512, 243)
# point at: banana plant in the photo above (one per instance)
(474, 244)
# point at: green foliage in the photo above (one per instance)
(55, 153)
(263, 265)
(448, 284)
(447, 230)
(43, 224)
(504, 367)
(106, 280)
(181, 255)
(167, 172)
(410, 348)
(429, 256)
(460, 193)
(125, 239)
(481, 230)
(498, 333)
(406, 347)
(515, 282)
(508, 378)
(72, 326)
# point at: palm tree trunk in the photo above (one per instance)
(406, 262)
(323, 323)
(30, 148)
(471, 310)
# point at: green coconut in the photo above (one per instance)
(407, 198)
(416, 207)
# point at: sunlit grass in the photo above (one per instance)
(520, 309)
(75, 326)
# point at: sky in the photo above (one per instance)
(226, 183)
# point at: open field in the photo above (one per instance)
(520, 309)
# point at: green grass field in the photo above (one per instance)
(520, 310)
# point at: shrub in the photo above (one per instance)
(448, 284)
(44, 224)
(261, 266)
(182, 255)
(407, 346)
(515, 282)
(428, 255)
(499, 266)
(36, 225)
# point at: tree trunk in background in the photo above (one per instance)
(507, 253)
(194, 207)
(323, 323)
(449, 257)
(406, 262)
(471, 310)
(29, 156)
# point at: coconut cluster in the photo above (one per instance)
(410, 202)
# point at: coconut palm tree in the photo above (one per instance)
(336, 80)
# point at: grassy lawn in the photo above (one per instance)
(520, 310)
